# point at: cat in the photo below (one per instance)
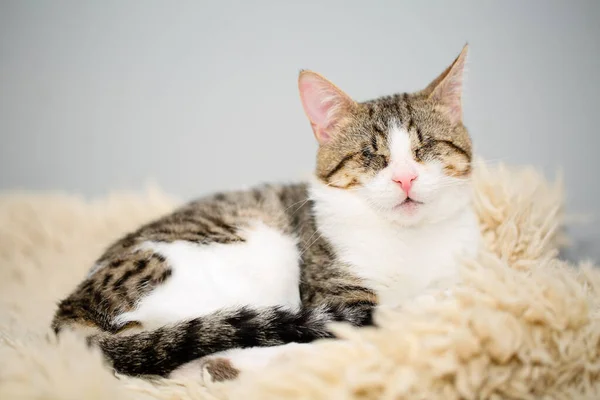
(384, 218)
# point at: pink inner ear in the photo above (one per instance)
(318, 101)
(449, 94)
(314, 102)
(449, 91)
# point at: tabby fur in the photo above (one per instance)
(354, 148)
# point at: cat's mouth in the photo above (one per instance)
(408, 203)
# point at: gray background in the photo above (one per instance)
(201, 96)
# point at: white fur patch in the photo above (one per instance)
(261, 272)
(400, 146)
(397, 262)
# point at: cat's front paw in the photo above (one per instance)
(228, 365)
(207, 369)
(219, 369)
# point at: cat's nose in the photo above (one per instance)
(405, 180)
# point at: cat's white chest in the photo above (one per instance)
(402, 263)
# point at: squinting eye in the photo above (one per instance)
(419, 153)
(366, 153)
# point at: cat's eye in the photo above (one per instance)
(418, 153)
(422, 152)
(367, 153)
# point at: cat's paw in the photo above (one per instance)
(207, 369)
(219, 369)
(228, 365)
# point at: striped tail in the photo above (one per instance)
(160, 351)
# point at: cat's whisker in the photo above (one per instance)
(298, 202)
(311, 236)
(300, 206)
(313, 242)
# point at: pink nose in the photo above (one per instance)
(405, 180)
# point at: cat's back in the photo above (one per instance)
(219, 217)
(211, 253)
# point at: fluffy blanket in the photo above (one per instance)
(523, 325)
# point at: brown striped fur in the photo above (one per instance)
(360, 150)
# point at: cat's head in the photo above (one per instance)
(407, 156)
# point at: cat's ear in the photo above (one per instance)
(446, 89)
(325, 105)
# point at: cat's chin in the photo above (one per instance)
(409, 207)
(407, 214)
(413, 213)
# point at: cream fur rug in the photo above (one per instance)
(523, 326)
